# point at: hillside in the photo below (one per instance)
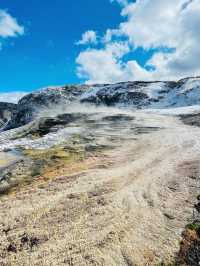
(141, 95)
(102, 175)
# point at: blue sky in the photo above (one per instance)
(45, 54)
(48, 42)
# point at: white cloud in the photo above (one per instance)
(89, 37)
(151, 23)
(173, 25)
(11, 97)
(101, 66)
(9, 26)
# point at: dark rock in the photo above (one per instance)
(112, 95)
(191, 119)
(197, 207)
(29, 241)
(118, 118)
(189, 253)
(24, 239)
(34, 241)
(6, 111)
(6, 230)
(12, 248)
(46, 125)
(31, 105)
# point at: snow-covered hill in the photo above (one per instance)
(185, 92)
(182, 93)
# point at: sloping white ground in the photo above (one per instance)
(44, 142)
(194, 109)
(11, 139)
(149, 193)
(129, 210)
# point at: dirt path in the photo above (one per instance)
(129, 210)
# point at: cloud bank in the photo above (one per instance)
(167, 30)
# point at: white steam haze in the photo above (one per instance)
(63, 134)
(11, 97)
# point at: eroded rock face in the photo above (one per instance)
(32, 104)
(6, 111)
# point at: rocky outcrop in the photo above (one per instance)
(6, 111)
(30, 106)
(45, 125)
(116, 94)
(191, 119)
(158, 94)
(133, 94)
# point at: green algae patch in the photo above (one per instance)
(55, 155)
(53, 159)
(43, 165)
(16, 175)
(40, 165)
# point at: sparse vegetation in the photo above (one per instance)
(194, 226)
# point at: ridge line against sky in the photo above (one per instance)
(148, 40)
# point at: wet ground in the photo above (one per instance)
(7, 158)
(118, 190)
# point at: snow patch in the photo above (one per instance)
(176, 111)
